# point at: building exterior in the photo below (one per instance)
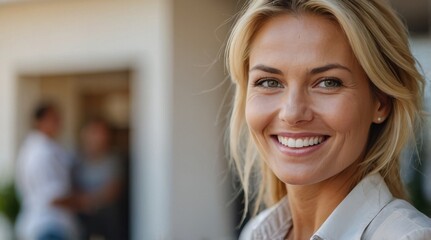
(173, 50)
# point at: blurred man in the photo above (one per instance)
(43, 181)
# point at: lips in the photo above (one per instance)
(300, 142)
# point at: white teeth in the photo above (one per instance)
(300, 142)
(306, 144)
(290, 142)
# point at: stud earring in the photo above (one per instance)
(379, 119)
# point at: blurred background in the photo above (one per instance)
(154, 70)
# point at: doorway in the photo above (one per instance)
(82, 97)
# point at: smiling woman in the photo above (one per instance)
(327, 95)
(320, 92)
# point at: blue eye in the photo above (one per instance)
(330, 83)
(269, 83)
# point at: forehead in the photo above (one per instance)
(52, 112)
(299, 37)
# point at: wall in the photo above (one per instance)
(178, 156)
(199, 169)
(50, 37)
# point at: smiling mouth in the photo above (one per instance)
(300, 142)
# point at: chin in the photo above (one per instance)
(299, 177)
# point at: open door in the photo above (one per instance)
(81, 97)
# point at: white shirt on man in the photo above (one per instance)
(43, 175)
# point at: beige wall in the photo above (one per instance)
(178, 163)
(49, 37)
(199, 170)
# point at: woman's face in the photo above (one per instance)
(309, 104)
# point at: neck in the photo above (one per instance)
(311, 205)
(95, 155)
(46, 133)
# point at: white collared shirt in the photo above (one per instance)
(368, 212)
(43, 174)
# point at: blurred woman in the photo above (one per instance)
(99, 175)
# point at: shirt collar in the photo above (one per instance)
(352, 216)
(276, 224)
(348, 221)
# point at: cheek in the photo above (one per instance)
(259, 112)
(345, 114)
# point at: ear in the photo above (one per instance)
(383, 107)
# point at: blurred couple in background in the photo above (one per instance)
(68, 196)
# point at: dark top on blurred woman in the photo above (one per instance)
(99, 173)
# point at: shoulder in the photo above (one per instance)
(254, 223)
(35, 144)
(399, 220)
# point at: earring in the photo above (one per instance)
(379, 119)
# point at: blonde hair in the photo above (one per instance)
(380, 43)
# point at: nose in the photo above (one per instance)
(295, 107)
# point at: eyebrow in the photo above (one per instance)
(266, 69)
(329, 67)
(313, 71)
